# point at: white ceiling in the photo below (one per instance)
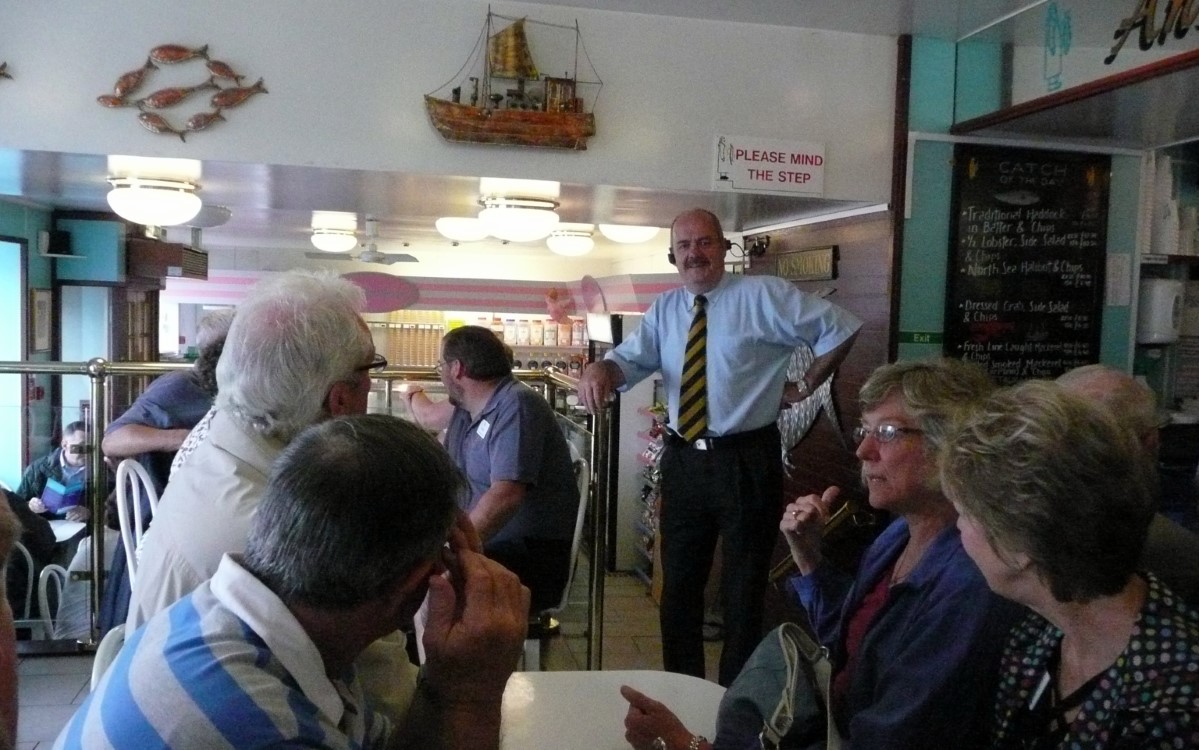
(272, 205)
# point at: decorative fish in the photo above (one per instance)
(107, 100)
(222, 70)
(158, 124)
(4, 71)
(130, 82)
(164, 98)
(795, 420)
(201, 120)
(1018, 197)
(232, 97)
(170, 54)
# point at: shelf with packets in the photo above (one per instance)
(646, 526)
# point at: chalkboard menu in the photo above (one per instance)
(1027, 257)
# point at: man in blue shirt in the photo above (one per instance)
(728, 481)
(521, 494)
(356, 525)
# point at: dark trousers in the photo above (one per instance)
(541, 564)
(734, 493)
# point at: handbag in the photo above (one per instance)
(780, 698)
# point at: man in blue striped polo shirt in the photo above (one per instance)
(350, 536)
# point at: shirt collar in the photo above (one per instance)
(711, 294)
(253, 603)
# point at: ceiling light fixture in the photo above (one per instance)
(334, 240)
(518, 219)
(627, 233)
(153, 202)
(570, 242)
(461, 228)
(210, 216)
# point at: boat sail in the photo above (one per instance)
(549, 113)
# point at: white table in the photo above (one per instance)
(64, 529)
(547, 710)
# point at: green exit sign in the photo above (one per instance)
(921, 337)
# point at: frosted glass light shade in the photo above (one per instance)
(628, 233)
(334, 240)
(158, 203)
(518, 219)
(566, 242)
(461, 228)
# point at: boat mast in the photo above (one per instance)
(486, 102)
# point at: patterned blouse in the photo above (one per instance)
(1149, 698)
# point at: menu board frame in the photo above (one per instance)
(1027, 257)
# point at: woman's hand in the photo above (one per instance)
(803, 527)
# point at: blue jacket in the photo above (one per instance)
(928, 667)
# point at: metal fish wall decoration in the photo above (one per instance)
(201, 120)
(227, 98)
(131, 81)
(108, 100)
(164, 98)
(171, 54)
(156, 123)
(4, 71)
(222, 70)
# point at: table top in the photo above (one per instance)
(64, 529)
(546, 710)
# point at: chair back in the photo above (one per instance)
(26, 611)
(133, 481)
(52, 577)
(106, 653)
(583, 477)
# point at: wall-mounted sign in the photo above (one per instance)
(813, 264)
(755, 165)
(1026, 260)
(1176, 18)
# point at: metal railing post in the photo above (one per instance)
(97, 371)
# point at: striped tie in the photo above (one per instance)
(693, 401)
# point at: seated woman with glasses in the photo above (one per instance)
(915, 636)
(1055, 497)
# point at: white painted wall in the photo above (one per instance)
(346, 81)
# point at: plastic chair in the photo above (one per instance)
(543, 624)
(133, 478)
(24, 618)
(52, 577)
(106, 653)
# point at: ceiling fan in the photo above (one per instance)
(370, 252)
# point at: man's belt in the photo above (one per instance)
(721, 442)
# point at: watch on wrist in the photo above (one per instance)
(659, 744)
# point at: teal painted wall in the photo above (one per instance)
(100, 247)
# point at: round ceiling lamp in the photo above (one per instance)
(570, 242)
(153, 202)
(334, 240)
(518, 219)
(628, 234)
(461, 228)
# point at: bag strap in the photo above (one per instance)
(802, 656)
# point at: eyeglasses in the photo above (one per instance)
(441, 363)
(884, 433)
(377, 363)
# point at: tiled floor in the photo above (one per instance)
(51, 687)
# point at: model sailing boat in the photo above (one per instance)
(549, 113)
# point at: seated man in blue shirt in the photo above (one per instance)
(349, 537)
(523, 497)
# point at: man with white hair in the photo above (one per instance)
(1171, 552)
(296, 353)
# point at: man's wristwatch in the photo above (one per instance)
(659, 744)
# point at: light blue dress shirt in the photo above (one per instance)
(754, 324)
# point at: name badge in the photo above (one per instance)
(484, 426)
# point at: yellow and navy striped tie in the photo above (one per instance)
(693, 391)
